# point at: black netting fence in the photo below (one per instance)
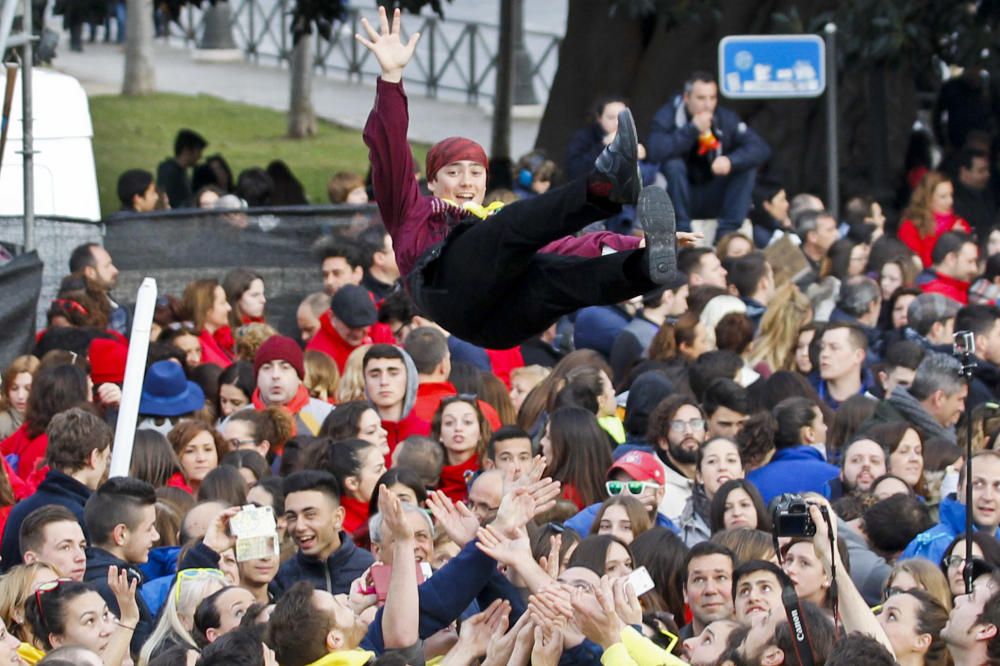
(174, 247)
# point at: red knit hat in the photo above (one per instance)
(107, 361)
(280, 348)
(453, 149)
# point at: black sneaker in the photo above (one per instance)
(618, 163)
(656, 215)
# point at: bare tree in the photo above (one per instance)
(140, 77)
(301, 114)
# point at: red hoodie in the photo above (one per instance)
(212, 351)
(355, 513)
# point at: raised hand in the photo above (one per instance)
(516, 510)
(551, 562)
(501, 648)
(390, 51)
(218, 537)
(458, 522)
(478, 630)
(393, 515)
(124, 591)
(596, 616)
(548, 646)
(504, 550)
(626, 602)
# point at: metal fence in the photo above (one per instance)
(454, 59)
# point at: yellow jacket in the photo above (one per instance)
(30, 654)
(637, 650)
(345, 658)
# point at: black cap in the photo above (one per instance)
(353, 306)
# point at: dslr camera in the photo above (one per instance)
(790, 516)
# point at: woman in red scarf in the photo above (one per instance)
(245, 293)
(929, 215)
(463, 431)
(205, 304)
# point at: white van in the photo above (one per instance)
(65, 175)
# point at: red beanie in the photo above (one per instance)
(107, 361)
(280, 348)
(453, 149)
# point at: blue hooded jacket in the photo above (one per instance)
(932, 544)
(796, 469)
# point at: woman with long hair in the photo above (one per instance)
(913, 621)
(245, 293)
(604, 555)
(930, 214)
(774, 348)
(205, 305)
(683, 341)
(622, 516)
(719, 461)
(462, 429)
(737, 503)
(663, 554)
(56, 388)
(16, 388)
(578, 455)
(17, 588)
(356, 420)
(535, 402)
(905, 447)
(177, 616)
(153, 458)
(236, 386)
(921, 574)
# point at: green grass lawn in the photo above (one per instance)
(138, 133)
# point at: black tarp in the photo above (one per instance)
(20, 285)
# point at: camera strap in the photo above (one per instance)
(801, 642)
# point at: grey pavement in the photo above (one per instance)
(100, 68)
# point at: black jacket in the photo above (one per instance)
(334, 575)
(98, 563)
(57, 488)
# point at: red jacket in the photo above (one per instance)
(953, 288)
(331, 343)
(502, 361)
(924, 245)
(29, 451)
(397, 431)
(453, 482)
(212, 351)
(430, 394)
(355, 514)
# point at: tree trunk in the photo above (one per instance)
(301, 114)
(140, 77)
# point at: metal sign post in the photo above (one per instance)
(786, 67)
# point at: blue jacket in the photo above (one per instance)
(673, 135)
(57, 488)
(582, 521)
(797, 469)
(335, 575)
(932, 543)
(445, 595)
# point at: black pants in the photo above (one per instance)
(489, 285)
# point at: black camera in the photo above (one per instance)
(790, 516)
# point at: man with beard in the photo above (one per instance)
(676, 431)
(94, 263)
(971, 631)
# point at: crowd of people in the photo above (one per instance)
(614, 489)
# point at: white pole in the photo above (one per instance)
(135, 369)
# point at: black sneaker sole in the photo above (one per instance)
(629, 190)
(659, 224)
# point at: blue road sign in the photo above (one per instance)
(772, 66)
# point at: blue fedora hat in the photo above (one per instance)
(167, 392)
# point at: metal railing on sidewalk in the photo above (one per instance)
(453, 59)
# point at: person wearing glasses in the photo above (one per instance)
(794, 467)
(636, 474)
(985, 548)
(677, 429)
(67, 612)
